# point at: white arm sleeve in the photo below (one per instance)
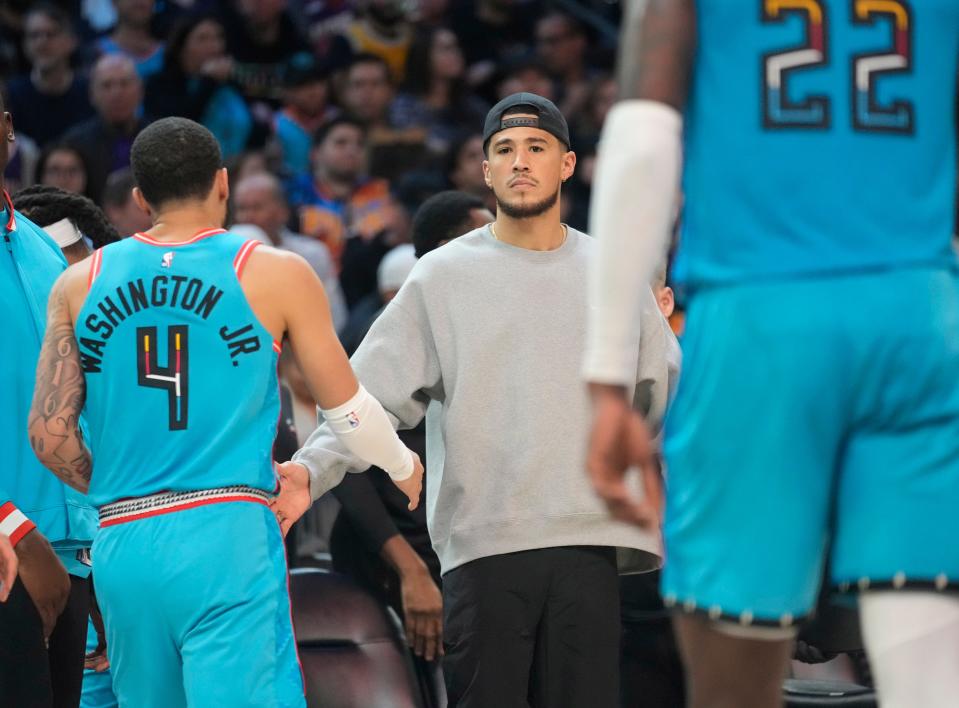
(635, 191)
(363, 427)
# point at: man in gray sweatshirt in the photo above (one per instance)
(486, 340)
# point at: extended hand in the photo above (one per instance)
(423, 610)
(44, 577)
(620, 440)
(412, 486)
(8, 568)
(294, 497)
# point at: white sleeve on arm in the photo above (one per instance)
(635, 193)
(363, 427)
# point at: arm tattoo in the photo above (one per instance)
(657, 46)
(58, 398)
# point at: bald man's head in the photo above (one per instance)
(259, 199)
(116, 89)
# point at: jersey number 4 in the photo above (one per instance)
(172, 378)
(866, 68)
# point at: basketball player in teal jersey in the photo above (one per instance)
(819, 404)
(168, 341)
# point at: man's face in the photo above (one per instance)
(257, 205)
(368, 92)
(6, 131)
(45, 42)
(116, 90)
(525, 168)
(468, 174)
(557, 45)
(309, 98)
(128, 219)
(342, 153)
(135, 12)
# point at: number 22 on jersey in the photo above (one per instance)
(866, 68)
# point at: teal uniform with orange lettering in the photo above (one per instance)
(182, 406)
(818, 407)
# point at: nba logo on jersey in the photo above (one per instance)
(167, 259)
(353, 419)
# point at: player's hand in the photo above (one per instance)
(44, 577)
(619, 440)
(423, 612)
(97, 660)
(412, 486)
(294, 497)
(8, 567)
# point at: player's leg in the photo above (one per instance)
(730, 671)
(912, 639)
(897, 524)
(751, 444)
(491, 611)
(577, 647)
(235, 627)
(136, 568)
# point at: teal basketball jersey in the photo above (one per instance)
(819, 137)
(182, 390)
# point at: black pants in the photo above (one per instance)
(32, 675)
(652, 671)
(536, 628)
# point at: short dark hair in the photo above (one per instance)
(370, 58)
(46, 205)
(118, 189)
(324, 130)
(52, 12)
(175, 159)
(442, 217)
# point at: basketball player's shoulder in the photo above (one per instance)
(279, 268)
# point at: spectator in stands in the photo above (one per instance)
(63, 166)
(561, 45)
(52, 98)
(337, 201)
(435, 95)
(382, 28)
(305, 109)
(526, 76)
(105, 140)
(195, 83)
(261, 36)
(491, 33)
(119, 206)
(588, 123)
(259, 200)
(367, 94)
(133, 38)
(464, 168)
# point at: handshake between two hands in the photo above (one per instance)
(294, 497)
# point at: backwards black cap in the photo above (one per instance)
(546, 116)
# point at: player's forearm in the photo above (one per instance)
(58, 397)
(634, 200)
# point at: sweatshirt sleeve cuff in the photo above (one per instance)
(13, 523)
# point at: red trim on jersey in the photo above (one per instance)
(277, 347)
(181, 507)
(239, 262)
(24, 526)
(206, 233)
(11, 219)
(95, 264)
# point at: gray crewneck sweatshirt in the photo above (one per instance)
(486, 340)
